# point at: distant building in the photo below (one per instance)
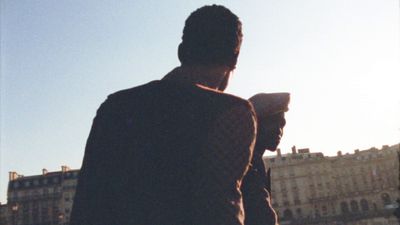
(3, 214)
(359, 188)
(307, 188)
(44, 199)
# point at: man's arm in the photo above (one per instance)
(90, 182)
(222, 164)
(256, 197)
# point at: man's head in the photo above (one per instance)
(270, 110)
(212, 36)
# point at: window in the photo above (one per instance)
(44, 214)
(386, 199)
(283, 186)
(364, 179)
(57, 189)
(293, 183)
(25, 213)
(354, 206)
(355, 183)
(364, 205)
(333, 208)
(27, 183)
(328, 185)
(317, 214)
(16, 185)
(272, 160)
(286, 203)
(344, 207)
(297, 157)
(35, 213)
(287, 214)
(324, 210)
(299, 212)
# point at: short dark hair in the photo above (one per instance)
(212, 36)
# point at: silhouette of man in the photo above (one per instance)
(270, 110)
(173, 151)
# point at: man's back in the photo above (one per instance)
(173, 151)
(154, 157)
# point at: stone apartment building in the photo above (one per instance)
(307, 188)
(359, 188)
(44, 199)
(3, 214)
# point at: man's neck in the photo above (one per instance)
(209, 76)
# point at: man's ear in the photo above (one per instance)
(180, 53)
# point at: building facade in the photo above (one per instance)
(359, 188)
(3, 214)
(44, 199)
(307, 188)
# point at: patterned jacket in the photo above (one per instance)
(166, 153)
(256, 190)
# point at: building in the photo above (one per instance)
(3, 214)
(358, 188)
(44, 199)
(307, 188)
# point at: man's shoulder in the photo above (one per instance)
(120, 100)
(157, 89)
(233, 100)
(130, 92)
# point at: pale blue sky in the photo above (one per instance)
(60, 59)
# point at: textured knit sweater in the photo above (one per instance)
(167, 152)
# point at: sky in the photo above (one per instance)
(339, 59)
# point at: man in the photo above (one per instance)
(173, 151)
(270, 110)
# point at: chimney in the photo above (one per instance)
(44, 171)
(294, 150)
(64, 169)
(304, 150)
(278, 151)
(12, 175)
(339, 153)
(356, 151)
